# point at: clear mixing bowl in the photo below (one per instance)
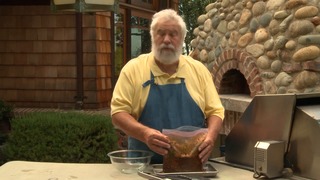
(130, 161)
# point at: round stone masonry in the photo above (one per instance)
(278, 40)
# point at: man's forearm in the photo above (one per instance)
(153, 138)
(126, 123)
(214, 124)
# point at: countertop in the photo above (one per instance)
(25, 170)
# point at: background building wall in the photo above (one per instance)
(38, 58)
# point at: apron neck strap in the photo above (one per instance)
(151, 81)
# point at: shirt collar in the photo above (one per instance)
(181, 70)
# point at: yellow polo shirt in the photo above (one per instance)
(129, 95)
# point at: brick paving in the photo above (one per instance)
(23, 111)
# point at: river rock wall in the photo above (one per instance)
(275, 43)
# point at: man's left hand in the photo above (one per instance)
(205, 149)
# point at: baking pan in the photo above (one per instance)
(155, 172)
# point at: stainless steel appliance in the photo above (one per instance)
(291, 118)
(268, 159)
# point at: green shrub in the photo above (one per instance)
(6, 111)
(6, 115)
(61, 137)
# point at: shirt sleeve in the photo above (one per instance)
(129, 95)
(213, 103)
(122, 94)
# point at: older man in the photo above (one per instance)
(164, 90)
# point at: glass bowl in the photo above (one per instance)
(130, 161)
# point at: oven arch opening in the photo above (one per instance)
(234, 82)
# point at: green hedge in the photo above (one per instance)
(6, 114)
(60, 137)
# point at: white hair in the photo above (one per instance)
(168, 14)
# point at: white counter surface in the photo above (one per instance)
(24, 170)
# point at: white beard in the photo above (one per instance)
(166, 56)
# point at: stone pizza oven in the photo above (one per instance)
(255, 47)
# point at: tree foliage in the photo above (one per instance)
(190, 10)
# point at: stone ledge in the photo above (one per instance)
(235, 102)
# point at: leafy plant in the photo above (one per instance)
(61, 137)
(6, 111)
(6, 115)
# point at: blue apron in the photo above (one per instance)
(168, 106)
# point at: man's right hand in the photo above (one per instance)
(153, 138)
(156, 141)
